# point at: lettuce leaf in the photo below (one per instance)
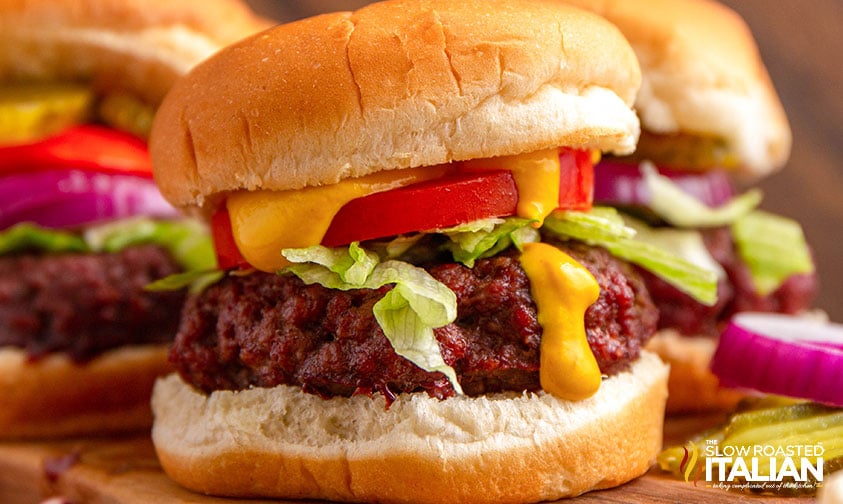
(605, 227)
(407, 314)
(26, 236)
(680, 209)
(195, 280)
(487, 237)
(186, 240)
(773, 247)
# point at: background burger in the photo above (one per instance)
(401, 197)
(712, 124)
(82, 226)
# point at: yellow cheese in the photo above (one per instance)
(562, 290)
(265, 222)
(536, 177)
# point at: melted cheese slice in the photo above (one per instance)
(265, 222)
(562, 290)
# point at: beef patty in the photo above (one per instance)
(264, 330)
(85, 304)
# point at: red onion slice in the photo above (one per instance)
(619, 183)
(781, 354)
(68, 198)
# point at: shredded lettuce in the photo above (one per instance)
(186, 240)
(680, 209)
(196, 280)
(26, 236)
(487, 237)
(685, 243)
(773, 247)
(606, 228)
(407, 314)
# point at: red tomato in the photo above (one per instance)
(576, 180)
(89, 148)
(439, 203)
(453, 200)
(228, 255)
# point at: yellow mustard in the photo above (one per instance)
(563, 290)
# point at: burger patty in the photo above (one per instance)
(736, 293)
(85, 304)
(264, 330)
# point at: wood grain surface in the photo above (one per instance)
(126, 471)
(800, 43)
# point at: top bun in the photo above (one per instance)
(396, 84)
(137, 46)
(703, 75)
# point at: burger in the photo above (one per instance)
(419, 301)
(83, 228)
(712, 125)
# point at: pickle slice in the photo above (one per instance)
(32, 111)
(771, 428)
(126, 113)
(806, 429)
(686, 151)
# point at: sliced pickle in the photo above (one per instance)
(32, 111)
(777, 429)
(767, 427)
(686, 151)
(126, 113)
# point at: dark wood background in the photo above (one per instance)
(800, 43)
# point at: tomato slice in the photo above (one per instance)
(87, 147)
(439, 203)
(228, 255)
(455, 199)
(576, 180)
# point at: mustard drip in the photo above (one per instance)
(536, 176)
(265, 222)
(562, 290)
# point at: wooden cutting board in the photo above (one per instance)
(126, 471)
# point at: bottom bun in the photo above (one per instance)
(692, 388)
(55, 397)
(280, 442)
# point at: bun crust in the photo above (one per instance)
(703, 75)
(281, 442)
(55, 397)
(136, 46)
(396, 84)
(692, 388)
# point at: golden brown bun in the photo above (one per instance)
(703, 75)
(54, 397)
(280, 442)
(692, 388)
(395, 84)
(138, 46)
